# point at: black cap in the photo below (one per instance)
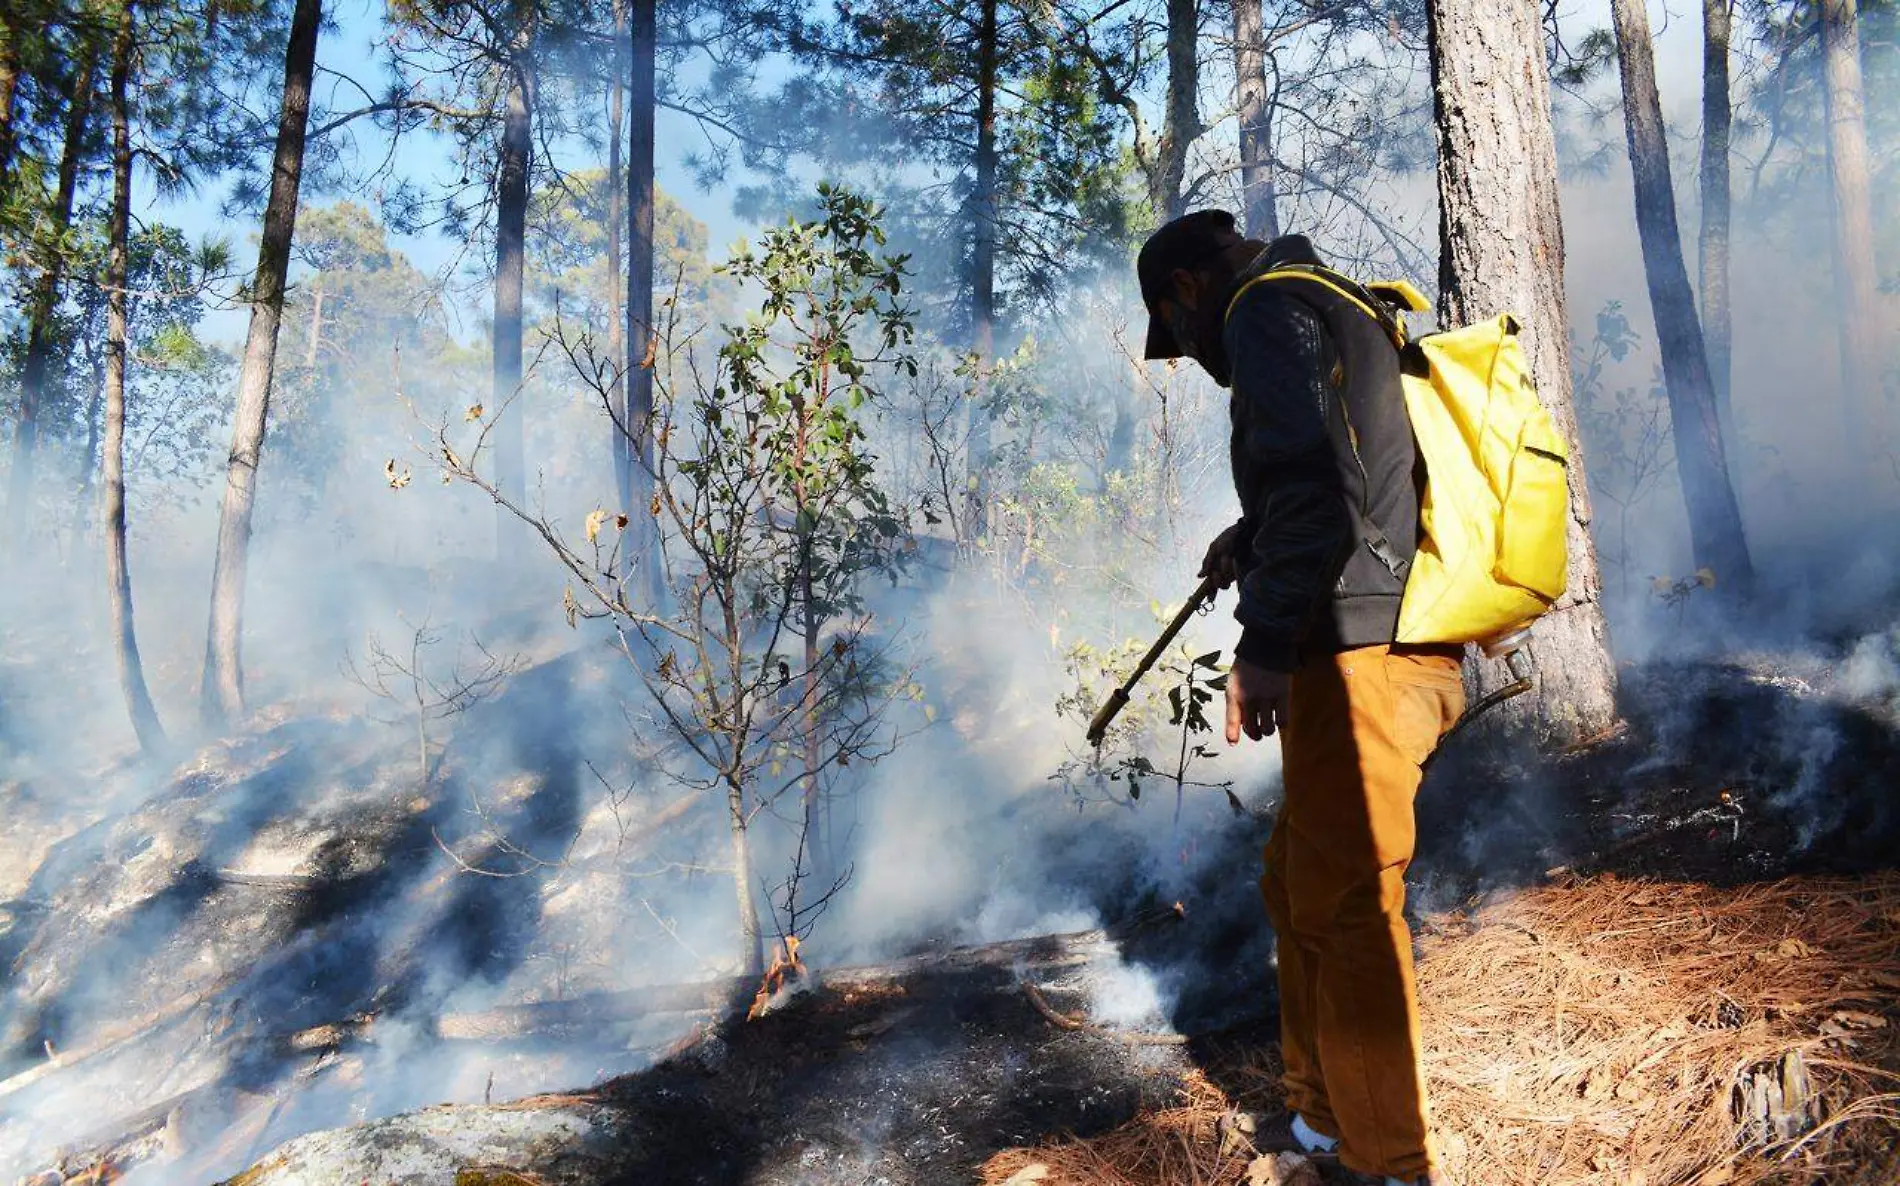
(1187, 242)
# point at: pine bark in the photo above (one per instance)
(1715, 520)
(1713, 240)
(1182, 125)
(983, 269)
(1259, 196)
(511, 224)
(221, 694)
(1501, 243)
(138, 698)
(616, 280)
(638, 443)
(1867, 413)
(9, 89)
(43, 302)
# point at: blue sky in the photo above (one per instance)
(349, 46)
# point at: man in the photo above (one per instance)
(1327, 473)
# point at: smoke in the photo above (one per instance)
(249, 889)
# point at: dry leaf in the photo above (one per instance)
(654, 507)
(1283, 1169)
(1794, 948)
(474, 412)
(595, 519)
(1596, 1084)
(1854, 1019)
(1034, 1172)
(620, 522)
(396, 480)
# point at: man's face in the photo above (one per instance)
(1185, 326)
(1190, 312)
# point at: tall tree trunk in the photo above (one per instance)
(637, 443)
(9, 87)
(1182, 125)
(88, 460)
(1715, 521)
(221, 694)
(44, 300)
(314, 342)
(511, 225)
(138, 699)
(616, 279)
(1501, 245)
(1867, 413)
(817, 811)
(1713, 241)
(1259, 197)
(983, 272)
(751, 934)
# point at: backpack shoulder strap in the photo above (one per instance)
(1340, 286)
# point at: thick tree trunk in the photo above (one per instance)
(616, 279)
(1501, 243)
(638, 444)
(44, 300)
(1867, 413)
(1715, 521)
(751, 934)
(138, 699)
(1259, 197)
(1713, 241)
(1182, 125)
(983, 272)
(9, 87)
(221, 695)
(511, 224)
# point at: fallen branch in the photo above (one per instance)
(1067, 1021)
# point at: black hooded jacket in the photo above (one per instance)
(1324, 463)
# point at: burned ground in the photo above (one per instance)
(219, 968)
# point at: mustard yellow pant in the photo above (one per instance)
(1360, 725)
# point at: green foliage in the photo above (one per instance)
(797, 374)
(1626, 434)
(1167, 714)
(1781, 116)
(567, 246)
(358, 316)
(890, 96)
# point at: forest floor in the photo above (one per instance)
(1620, 949)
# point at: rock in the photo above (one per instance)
(1283, 1169)
(446, 1146)
(1237, 1131)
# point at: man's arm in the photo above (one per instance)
(1282, 365)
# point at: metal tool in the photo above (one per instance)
(1118, 699)
(1514, 649)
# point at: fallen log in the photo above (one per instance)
(1043, 953)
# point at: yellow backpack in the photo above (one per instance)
(1492, 553)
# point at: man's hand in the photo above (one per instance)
(1223, 559)
(1256, 701)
